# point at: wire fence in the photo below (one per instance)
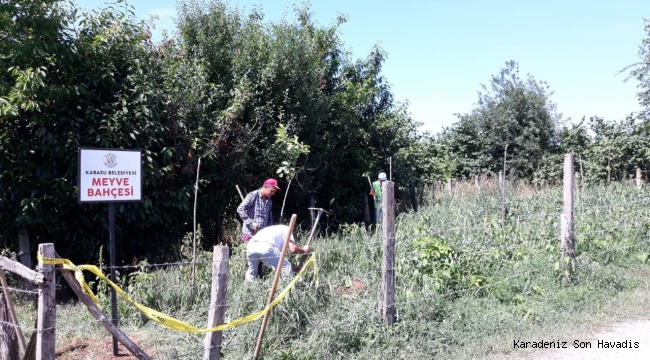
(374, 241)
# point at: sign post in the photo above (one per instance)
(110, 175)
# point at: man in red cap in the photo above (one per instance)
(255, 210)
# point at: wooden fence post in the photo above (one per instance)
(217, 313)
(25, 255)
(388, 262)
(45, 329)
(476, 182)
(450, 187)
(566, 219)
(639, 178)
(366, 210)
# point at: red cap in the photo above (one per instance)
(272, 182)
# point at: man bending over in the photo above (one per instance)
(266, 247)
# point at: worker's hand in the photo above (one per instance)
(307, 248)
(372, 192)
(254, 226)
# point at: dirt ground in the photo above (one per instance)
(84, 349)
(632, 333)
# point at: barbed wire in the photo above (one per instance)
(25, 328)
(617, 204)
(378, 240)
(398, 303)
(19, 290)
(518, 218)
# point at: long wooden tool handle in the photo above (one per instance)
(240, 194)
(278, 272)
(12, 312)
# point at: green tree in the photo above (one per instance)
(641, 72)
(512, 112)
(88, 81)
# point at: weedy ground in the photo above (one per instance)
(468, 284)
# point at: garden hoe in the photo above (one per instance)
(311, 235)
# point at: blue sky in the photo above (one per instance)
(441, 51)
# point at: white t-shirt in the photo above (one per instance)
(274, 234)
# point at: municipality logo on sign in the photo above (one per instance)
(110, 160)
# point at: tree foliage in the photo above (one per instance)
(512, 112)
(221, 89)
(641, 72)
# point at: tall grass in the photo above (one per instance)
(467, 283)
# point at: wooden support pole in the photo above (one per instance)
(45, 330)
(639, 178)
(218, 295)
(196, 200)
(388, 261)
(414, 197)
(12, 312)
(21, 270)
(566, 220)
(101, 318)
(366, 210)
(477, 182)
(25, 255)
(8, 347)
(450, 187)
(278, 272)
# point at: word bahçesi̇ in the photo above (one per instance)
(123, 187)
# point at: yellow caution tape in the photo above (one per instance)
(159, 317)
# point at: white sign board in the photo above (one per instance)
(107, 175)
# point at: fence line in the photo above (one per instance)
(412, 301)
(19, 290)
(497, 222)
(329, 284)
(375, 240)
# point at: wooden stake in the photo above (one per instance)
(566, 220)
(12, 312)
(609, 167)
(25, 255)
(278, 272)
(582, 175)
(503, 186)
(366, 210)
(450, 187)
(639, 178)
(46, 334)
(388, 262)
(196, 193)
(218, 295)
